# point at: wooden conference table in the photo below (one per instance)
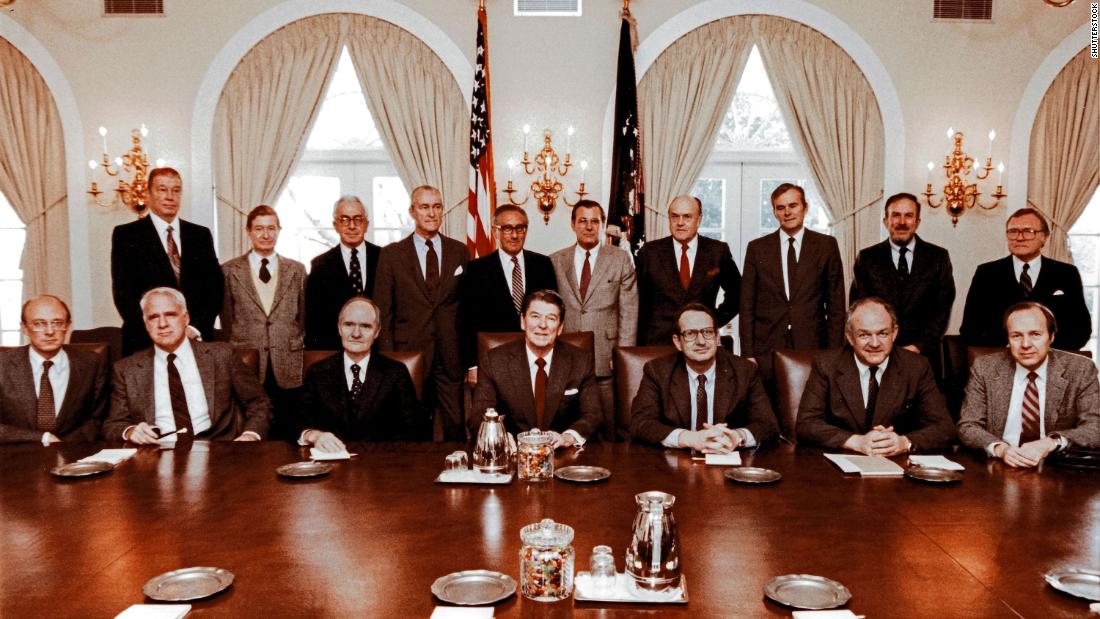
(369, 539)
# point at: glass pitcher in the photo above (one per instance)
(653, 558)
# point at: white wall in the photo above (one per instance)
(549, 72)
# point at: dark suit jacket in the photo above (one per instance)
(832, 406)
(995, 288)
(328, 287)
(572, 397)
(82, 409)
(1072, 406)
(663, 403)
(922, 300)
(236, 401)
(139, 263)
(660, 292)
(387, 408)
(814, 313)
(485, 297)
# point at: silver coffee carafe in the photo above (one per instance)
(653, 558)
(495, 447)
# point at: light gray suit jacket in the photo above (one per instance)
(278, 335)
(1072, 406)
(609, 310)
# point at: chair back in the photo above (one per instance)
(973, 352)
(111, 336)
(488, 340)
(414, 363)
(102, 349)
(792, 370)
(627, 363)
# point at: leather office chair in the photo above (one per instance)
(111, 336)
(792, 371)
(488, 340)
(414, 362)
(102, 349)
(627, 364)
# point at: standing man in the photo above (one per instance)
(164, 250)
(1025, 275)
(339, 274)
(598, 285)
(683, 268)
(264, 309)
(50, 392)
(492, 292)
(792, 295)
(417, 290)
(1028, 401)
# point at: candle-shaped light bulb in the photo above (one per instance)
(992, 136)
(950, 133)
(526, 134)
(584, 168)
(511, 169)
(103, 131)
(103, 134)
(928, 177)
(118, 160)
(569, 140)
(160, 163)
(91, 164)
(144, 130)
(1000, 173)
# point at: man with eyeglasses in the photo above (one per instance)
(539, 382)
(1026, 275)
(871, 397)
(495, 285)
(356, 395)
(50, 392)
(702, 397)
(345, 271)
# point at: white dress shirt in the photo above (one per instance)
(345, 254)
(693, 248)
(59, 375)
(783, 245)
(865, 376)
(1015, 420)
(192, 388)
(895, 252)
(673, 438)
(578, 260)
(161, 227)
(420, 243)
(533, 369)
(506, 264)
(1032, 270)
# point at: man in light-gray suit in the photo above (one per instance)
(1026, 402)
(599, 287)
(198, 389)
(264, 309)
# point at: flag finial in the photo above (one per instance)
(481, 5)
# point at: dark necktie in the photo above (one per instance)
(173, 254)
(355, 272)
(47, 416)
(792, 266)
(178, 396)
(431, 268)
(517, 285)
(700, 401)
(685, 267)
(540, 392)
(356, 384)
(586, 274)
(872, 396)
(903, 264)
(1029, 422)
(265, 275)
(1025, 279)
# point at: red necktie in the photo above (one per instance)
(586, 275)
(47, 416)
(1029, 422)
(540, 392)
(685, 267)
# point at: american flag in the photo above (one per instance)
(482, 199)
(626, 206)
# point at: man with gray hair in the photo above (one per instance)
(345, 271)
(175, 386)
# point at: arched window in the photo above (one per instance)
(1084, 243)
(12, 236)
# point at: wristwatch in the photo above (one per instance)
(1061, 442)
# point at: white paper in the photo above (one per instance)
(463, 612)
(155, 611)
(110, 456)
(730, 459)
(867, 466)
(937, 462)
(824, 614)
(843, 462)
(623, 591)
(473, 476)
(317, 454)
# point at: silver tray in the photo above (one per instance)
(807, 591)
(473, 587)
(190, 583)
(583, 474)
(933, 475)
(82, 469)
(307, 468)
(1076, 581)
(752, 475)
(625, 591)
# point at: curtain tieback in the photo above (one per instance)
(857, 210)
(1050, 218)
(43, 212)
(231, 205)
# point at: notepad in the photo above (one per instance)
(867, 466)
(455, 612)
(155, 611)
(824, 614)
(936, 462)
(731, 459)
(110, 456)
(317, 454)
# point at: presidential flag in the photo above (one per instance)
(482, 197)
(626, 207)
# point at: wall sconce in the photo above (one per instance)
(959, 195)
(135, 161)
(548, 169)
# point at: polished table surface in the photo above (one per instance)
(369, 539)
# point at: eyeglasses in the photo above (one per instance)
(520, 229)
(38, 326)
(344, 220)
(690, 335)
(1022, 233)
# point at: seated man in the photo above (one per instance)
(357, 395)
(702, 397)
(202, 390)
(539, 382)
(1030, 400)
(50, 392)
(873, 398)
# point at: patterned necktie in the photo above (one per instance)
(178, 397)
(265, 275)
(540, 392)
(47, 415)
(903, 264)
(173, 254)
(1025, 279)
(792, 265)
(872, 396)
(1029, 422)
(431, 268)
(685, 267)
(356, 384)
(355, 272)
(700, 401)
(517, 285)
(586, 274)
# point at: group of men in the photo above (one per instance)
(873, 392)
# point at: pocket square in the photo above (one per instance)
(1059, 293)
(571, 391)
(458, 271)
